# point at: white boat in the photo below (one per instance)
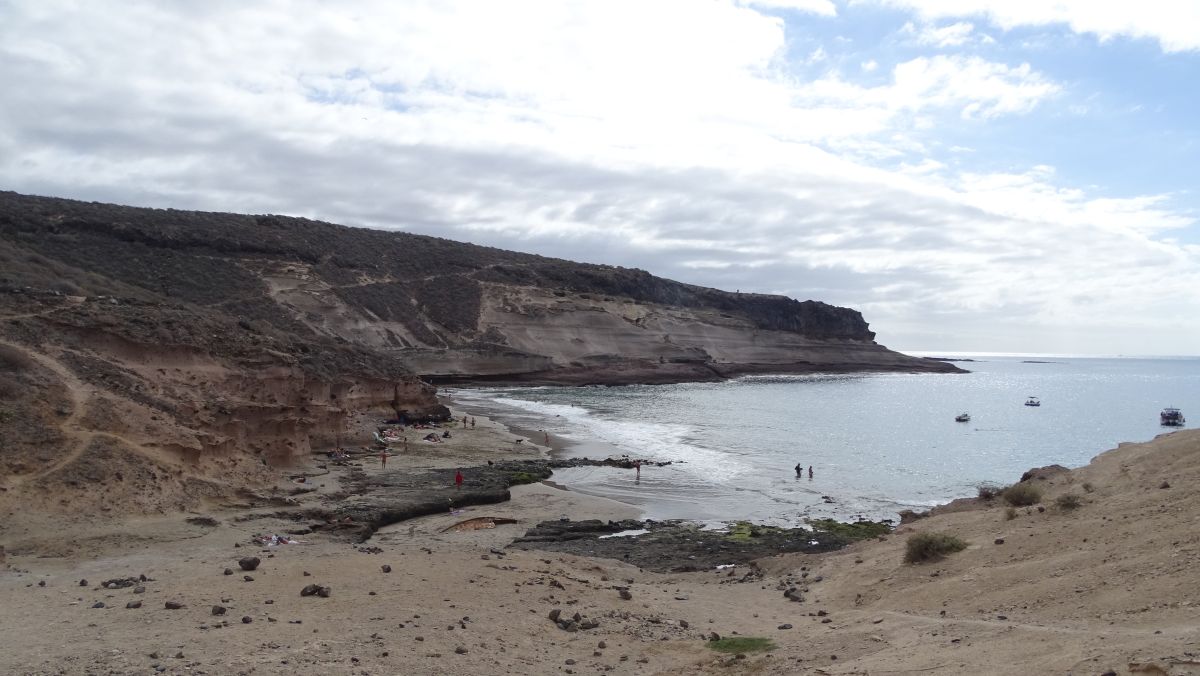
(962, 417)
(1032, 401)
(1171, 417)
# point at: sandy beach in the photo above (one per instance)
(1107, 587)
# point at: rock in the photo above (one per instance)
(134, 604)
(307, 574)
(139, 590)
(41, 583)
(218, 610)
(784, 626)
(714, 636)
(822, 613)
(460, 650)
(246, 619)
(386, 568)
(98, 604)
(998, 541)
(588, 624)
(248, 578)
(569, 662)
(1041, 509)
(228, 571)
(1164, 484)
(248, 562)
(173, 605)
(684, 624)
(602, 645)
(1043, 473)
(554, 615)
(83, 583)
(625, 594)
(316, 590)
(826, 621)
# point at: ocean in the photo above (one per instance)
(877, 443)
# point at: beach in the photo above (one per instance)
(1108, 586)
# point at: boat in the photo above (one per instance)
(1032, 401)
(962, 417)
(1171, 417)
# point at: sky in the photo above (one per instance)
(971, 175)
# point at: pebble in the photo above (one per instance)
(386, 568)
(784, 626)
(218, 610)
(134, 604)
(246, 619)
(461, 650)
(173, 605)
(248, 562)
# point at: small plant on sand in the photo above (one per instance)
(1088, 487)
(988, 491)
(923, 547)
(741, 644)
(1010, 513)
(1023, 494)
(1068, 502)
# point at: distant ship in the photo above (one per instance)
(1032, 401)
(962, 417)
(1171, 417)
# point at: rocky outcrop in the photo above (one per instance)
(448, 311)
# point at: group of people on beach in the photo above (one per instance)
(800, 470)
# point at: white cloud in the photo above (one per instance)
(953, 35)
(1175, 24)
(870, 66)
(669, 135)
(821, 7)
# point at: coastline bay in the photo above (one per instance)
(878, 443)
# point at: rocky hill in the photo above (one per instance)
(202, 346)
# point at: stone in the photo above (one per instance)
(173, 605)
(589, 624)
(602, 645)
(569, 662)
(248, 578)
(83, 583)
(554, 615)
(684, 624)
(98, 604)
(784, 626)
(134, 604)
(998, 541)
(228, 571)
(246, 619)
(461, 650)
(218, 610)
(714, 636)
(139, 590)
(625, 594)
(248, 562)
(179, 655)
(386, 568)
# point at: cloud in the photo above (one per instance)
(953, 35)
(673, 136)
(821, 7)
(1173, 24)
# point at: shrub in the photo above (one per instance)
(1088, 488)
(13, 360)
(931, 546)
(1010, 513)
(988, 491)
(1022, 495)
(741, 644)
(1068, 502)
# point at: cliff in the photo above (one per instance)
(206, 346)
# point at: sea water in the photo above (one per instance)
(877, 443)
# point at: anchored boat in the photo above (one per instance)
(1032, 401)
(1171, 417)
(962, 417)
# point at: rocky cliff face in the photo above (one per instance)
(207, 344)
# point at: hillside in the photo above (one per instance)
(194, 349)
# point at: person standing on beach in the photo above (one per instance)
(810, 471)
(458, 479)
(547, 437)
(383, 459)
(799, 469)
(637, 466)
